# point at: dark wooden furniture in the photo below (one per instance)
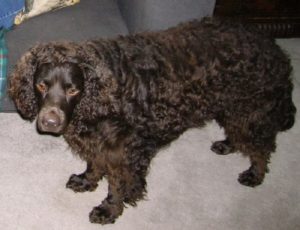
(280, 18)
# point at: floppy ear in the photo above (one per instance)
(20, 85)
(99, 100)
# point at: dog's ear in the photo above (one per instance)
(21, 87)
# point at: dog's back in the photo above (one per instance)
(209, 69)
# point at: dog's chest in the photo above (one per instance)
(83, 145)
(104, 138)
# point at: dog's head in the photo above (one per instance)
(58, 89)
(47, 83)
(61, 82)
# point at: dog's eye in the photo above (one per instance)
(72, 91)
(42, 87)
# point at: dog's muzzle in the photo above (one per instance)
(51, 120)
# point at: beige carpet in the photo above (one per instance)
(189, 187)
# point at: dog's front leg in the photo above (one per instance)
(127, 168)
(111, 207)
(87, 181)
(125, 186)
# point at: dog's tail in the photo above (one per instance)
(285, 113)
(288, 118)
(284, 109)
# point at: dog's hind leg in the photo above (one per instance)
(261, 129)
(223, 147)
(255, 174)
(254, 135)
(258, 141)
(258, 145)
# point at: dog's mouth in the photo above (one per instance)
(51, 120)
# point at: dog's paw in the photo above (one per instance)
(105, 214)
(250, 178)
(221, 147)
(78, 183)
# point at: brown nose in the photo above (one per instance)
(51, 120)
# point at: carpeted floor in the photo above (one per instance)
(189, 187)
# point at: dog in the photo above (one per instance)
(118, 101)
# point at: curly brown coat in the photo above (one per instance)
(142, 91)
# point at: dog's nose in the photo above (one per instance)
(51, 120)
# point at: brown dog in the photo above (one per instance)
(118, 101)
